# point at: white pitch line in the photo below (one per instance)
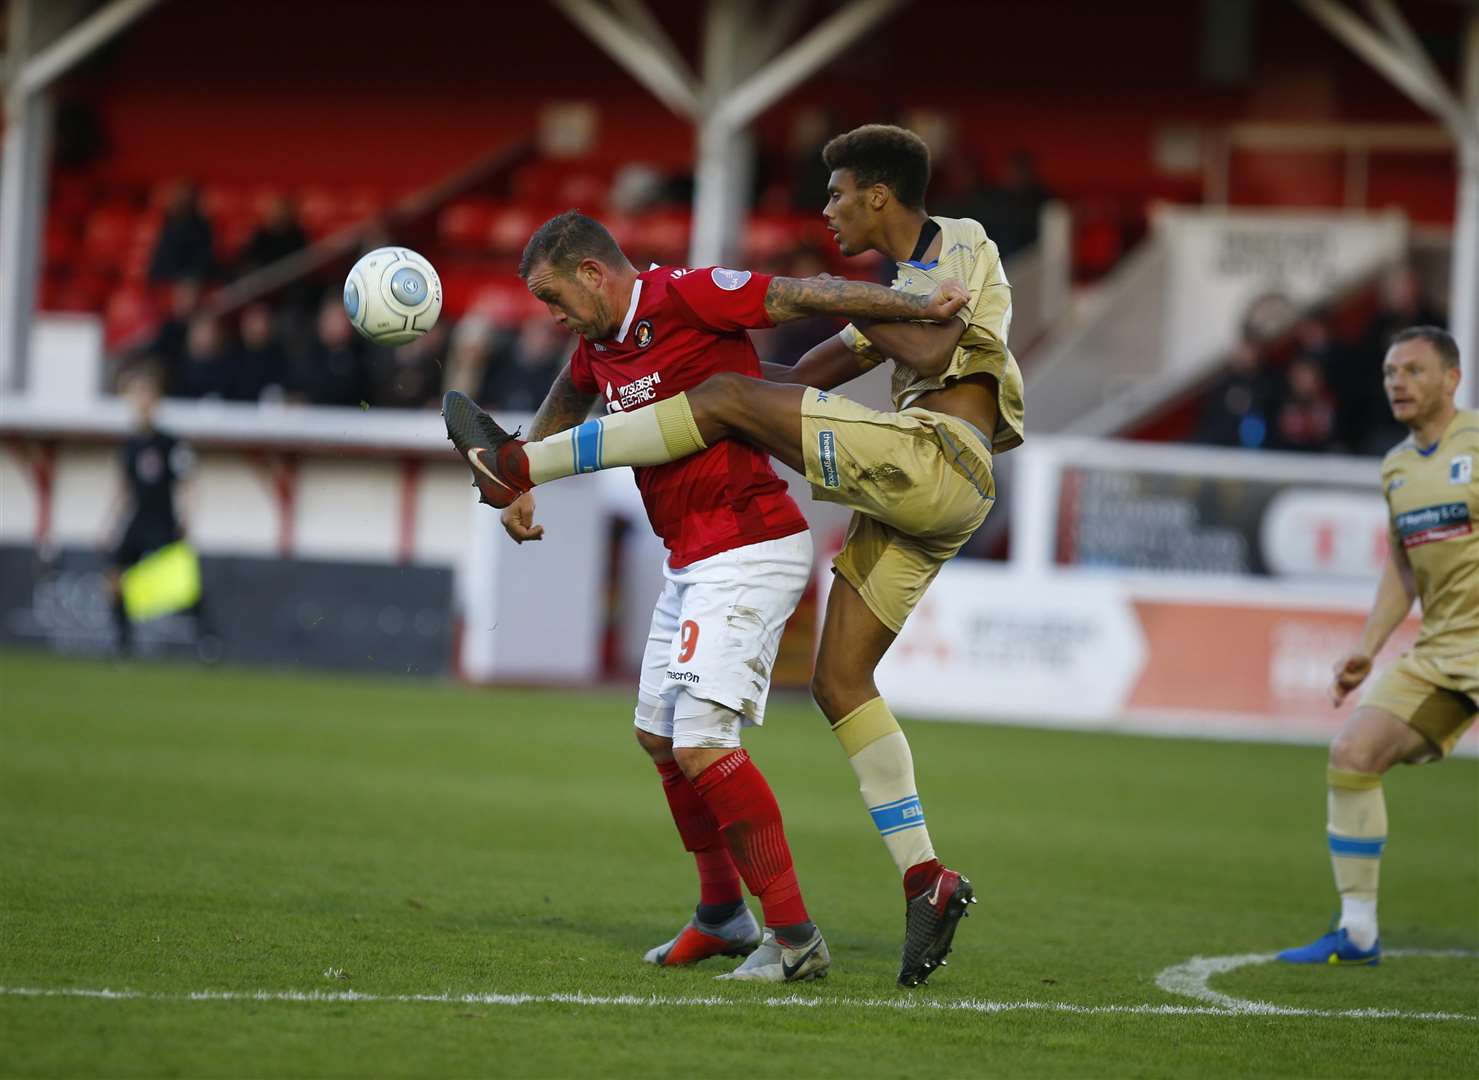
(1192, 979)
(901, 1004)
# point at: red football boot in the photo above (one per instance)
(930, 919)
(500, 469)
(737, 936)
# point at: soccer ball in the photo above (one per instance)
(392, 296)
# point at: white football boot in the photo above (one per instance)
(777, 962)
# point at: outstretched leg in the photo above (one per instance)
(724, 406)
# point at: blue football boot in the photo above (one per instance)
(1335, 949)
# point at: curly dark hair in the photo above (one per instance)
(883, 154)
(1441, 340)
(566, 239)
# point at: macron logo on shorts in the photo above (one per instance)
(827, 455)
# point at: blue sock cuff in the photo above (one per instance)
(1364, 847)
(896, 816)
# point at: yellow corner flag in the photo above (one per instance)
(161, 583)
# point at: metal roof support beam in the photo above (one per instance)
(650, 62)
(736, 94)
(1463, 307)
(30, 72)
(1381, 53)
(77, 43)
(1399, 56)
(805, 58)
(741, 77)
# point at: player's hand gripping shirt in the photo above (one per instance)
(967, 255)
(683, 326)
(1433, 498)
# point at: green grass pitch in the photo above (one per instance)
(167, 830)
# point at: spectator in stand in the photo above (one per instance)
(1400, 305)
(410, 376)
(185, 248)
(1009, 211)
(1314, 337)
(278, 236)
(519, 382)
(333, 369)
(483, 336)
(167, 348)
(1305, 418)
(808, 173)
(206, 370)
(257, 363)
(1237, 407)
(468, 354)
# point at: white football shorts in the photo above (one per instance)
(715, 632)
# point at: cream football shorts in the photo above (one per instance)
(919, 483)
(1438, 697)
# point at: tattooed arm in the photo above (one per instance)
(796, 298)
(564, 407)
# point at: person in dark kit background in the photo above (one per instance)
(152, 464)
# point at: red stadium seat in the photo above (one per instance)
(502, 304)
(464, 224)
(233, 231)
(136, 257)
(664, 236)
(129, 317)
(60, 243)
(217, 202)
(106, 236)
(82, 292)
(768, 236)
(509, 228)
(584, 189)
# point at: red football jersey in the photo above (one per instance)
(683, 326)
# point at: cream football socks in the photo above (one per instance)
(1358, 831)
(879, 755)
(655, 435)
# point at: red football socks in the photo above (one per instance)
(718, 880)
(749, 819)
(918, 878)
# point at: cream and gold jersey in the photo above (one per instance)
(1433, 497)
(967, 254)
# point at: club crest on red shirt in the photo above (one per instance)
(642, 335)
(729, 280)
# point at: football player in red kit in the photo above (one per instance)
(739, 555)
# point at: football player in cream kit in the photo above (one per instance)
(1418, 708)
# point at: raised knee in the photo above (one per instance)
(1356, 755)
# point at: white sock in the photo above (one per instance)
(1358, 919)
